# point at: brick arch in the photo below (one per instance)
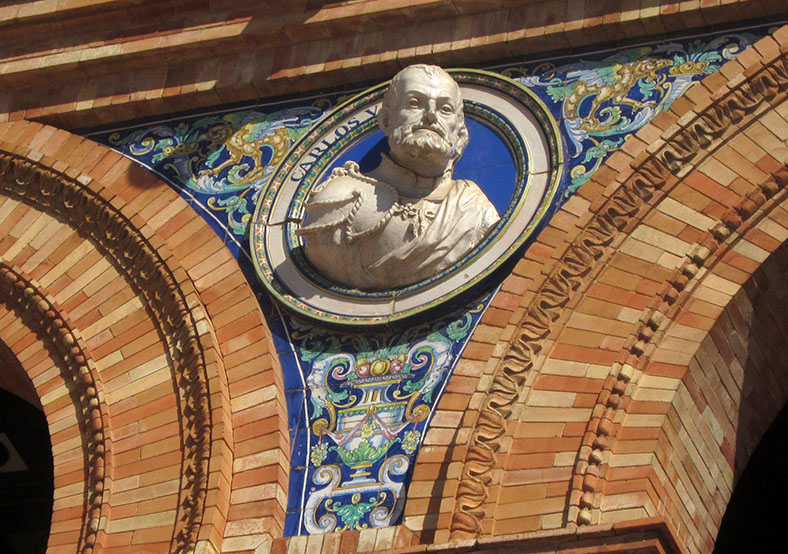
(50, 352)
(703, 239)
(618, 474)
(14, 379)
(696, 396)
(711, 385)
(532, 450)
(202, 319)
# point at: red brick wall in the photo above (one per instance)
(79, 64)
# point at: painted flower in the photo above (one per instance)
(362, 368)
(319, 454)
(410, 442)
(396, 366)
(352, 513)
(367, 430)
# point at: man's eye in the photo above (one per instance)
(413, 103)
(447, 109)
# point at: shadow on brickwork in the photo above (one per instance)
(752, 338)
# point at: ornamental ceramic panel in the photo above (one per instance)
(360, 405)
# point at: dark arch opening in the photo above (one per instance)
(753, 332)
(26, 476)
(754, 520)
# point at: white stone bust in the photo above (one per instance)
(406, 220)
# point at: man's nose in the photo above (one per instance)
(430, 115)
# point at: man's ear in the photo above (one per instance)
(383, 119)
(462, 134)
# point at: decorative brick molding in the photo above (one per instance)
(37, 309)
(235, 494)
(170, 298)
(652, 173)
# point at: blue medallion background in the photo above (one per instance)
(359, 404)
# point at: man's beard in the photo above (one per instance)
(418, 142)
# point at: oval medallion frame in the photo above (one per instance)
(517, 117)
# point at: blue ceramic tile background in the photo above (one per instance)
(601, 100)
(359, 404)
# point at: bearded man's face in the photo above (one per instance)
(418, 140)
(426, 121)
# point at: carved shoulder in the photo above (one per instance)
(336, 200)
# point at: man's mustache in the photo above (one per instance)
(434, 128)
